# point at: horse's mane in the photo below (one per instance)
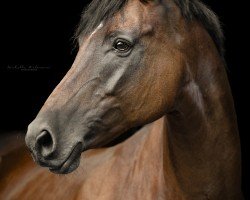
(195, 9)
(100, 10)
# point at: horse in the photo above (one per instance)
(147, 102)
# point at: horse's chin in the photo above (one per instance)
(71, 163)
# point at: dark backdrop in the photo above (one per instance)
(37, 50)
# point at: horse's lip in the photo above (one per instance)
(71, 163)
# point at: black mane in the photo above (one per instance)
(100, 10)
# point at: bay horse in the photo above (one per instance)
(153, 69)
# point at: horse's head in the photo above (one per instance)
(126, 74)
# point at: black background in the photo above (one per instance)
(37, 50)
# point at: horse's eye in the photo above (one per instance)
(122, 45)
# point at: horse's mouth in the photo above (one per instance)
(71, 163)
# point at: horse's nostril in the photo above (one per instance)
(45, 144)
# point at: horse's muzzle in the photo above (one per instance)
(47, 152)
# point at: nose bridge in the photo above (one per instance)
(58, 114)
(63, 99)
(72, 96)
(78, 78)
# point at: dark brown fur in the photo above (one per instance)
(172, 77)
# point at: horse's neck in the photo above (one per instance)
(136, 168)
(203, 137)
